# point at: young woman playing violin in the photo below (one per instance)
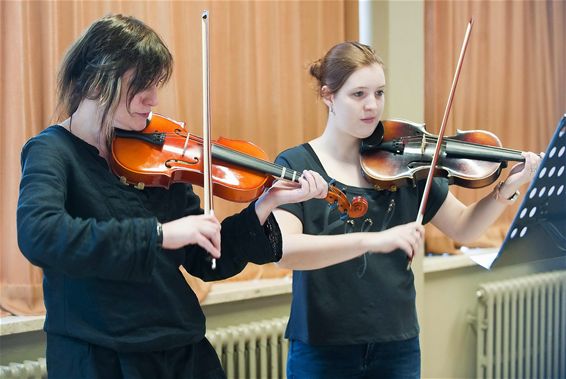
(117, 304)
(357, 319)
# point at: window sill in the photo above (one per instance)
(20, 324)
(249, 289)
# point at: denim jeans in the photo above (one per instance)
(387, 360)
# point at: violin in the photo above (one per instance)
(399, 153)
(165, 153)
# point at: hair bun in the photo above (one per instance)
(316, 70)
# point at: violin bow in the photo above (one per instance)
(436, 154)
(206, 142)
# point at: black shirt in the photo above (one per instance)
(106, 279)
(367, 299)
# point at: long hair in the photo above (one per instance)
(93, 66)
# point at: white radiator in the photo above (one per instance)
(521, 326)
(27, 370)
(247, 351)
(254, 350)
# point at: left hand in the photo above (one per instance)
(310, 186)
(523, 172)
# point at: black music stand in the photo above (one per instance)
(538, 231)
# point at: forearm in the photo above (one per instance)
(309, 252)
(478, 218)
(467, 224)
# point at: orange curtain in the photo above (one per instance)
(260, 90)
(512, 81)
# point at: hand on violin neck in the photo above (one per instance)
(521, 173)
(309, 186)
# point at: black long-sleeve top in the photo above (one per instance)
(107, 281)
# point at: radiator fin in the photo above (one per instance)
(254, 350)
(521, 326)
(27, 370)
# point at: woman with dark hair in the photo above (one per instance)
(357, 319)
(117, 304)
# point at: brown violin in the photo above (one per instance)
(164, 153)
(399, 153)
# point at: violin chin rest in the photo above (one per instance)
(374, 140)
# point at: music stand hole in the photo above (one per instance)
(523, 213)
(523, 232)
(513, 233)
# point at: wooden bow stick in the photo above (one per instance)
(436, 155)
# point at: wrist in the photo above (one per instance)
(263, 208)
(503, 197)
(267, 201)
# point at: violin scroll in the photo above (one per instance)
(355, 209)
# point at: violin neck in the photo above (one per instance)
(456, 149)
(247, 161)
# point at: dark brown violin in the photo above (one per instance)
(399, 153)
(159, 156)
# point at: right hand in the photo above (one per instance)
(202, 230)
(407, 237)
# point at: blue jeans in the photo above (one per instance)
(390, 360)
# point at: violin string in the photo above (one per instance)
(333, 193)
(335, 196)
(478, 145)
(239, 156)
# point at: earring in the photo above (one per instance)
(332, 109)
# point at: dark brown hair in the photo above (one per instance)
(93, 66)
(340, 62)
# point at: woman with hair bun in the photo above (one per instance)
(353, 311)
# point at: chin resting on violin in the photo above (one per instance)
(362, 307)
(116, 301)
